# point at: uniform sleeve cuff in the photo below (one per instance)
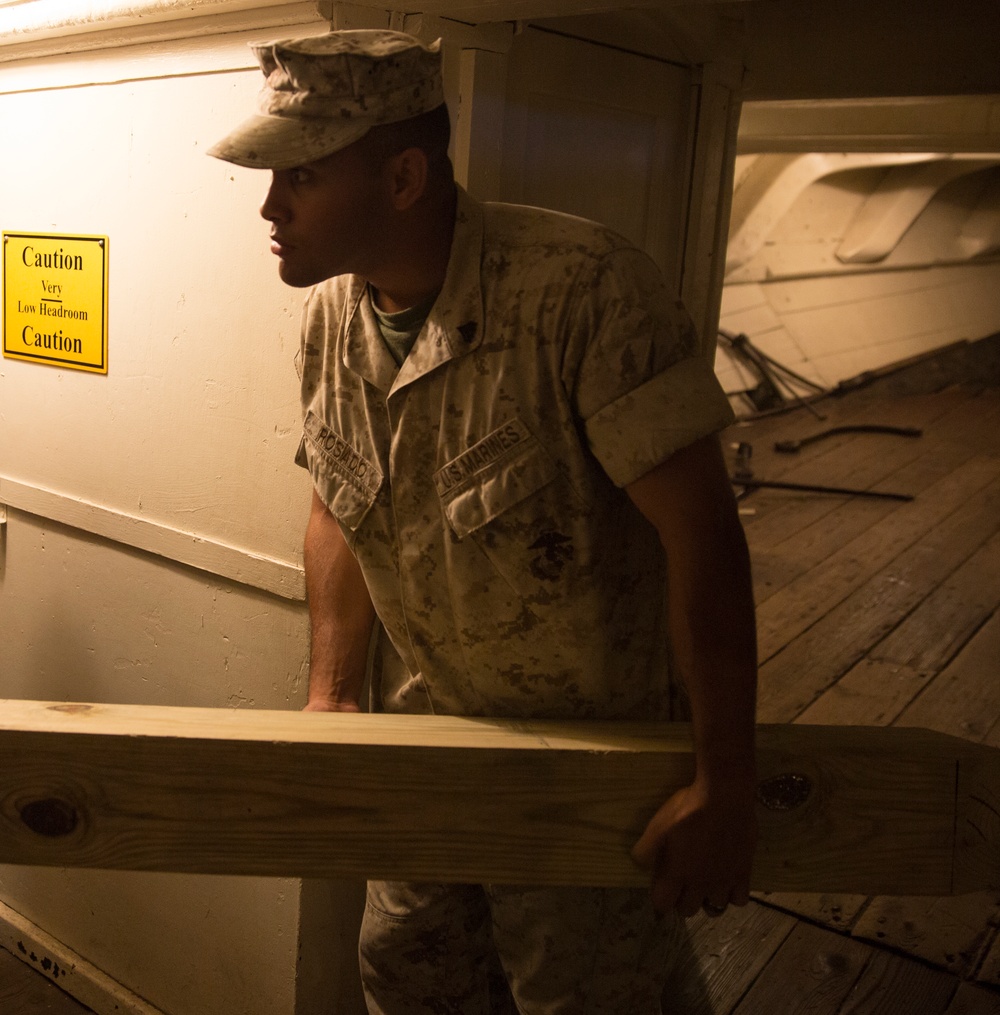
(643, 428)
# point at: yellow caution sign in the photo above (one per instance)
(55, 300)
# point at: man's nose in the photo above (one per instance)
(272, 208)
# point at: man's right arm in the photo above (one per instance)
(340, 614)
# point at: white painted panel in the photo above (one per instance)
(751, 321)
(852, 362)
(193, 430)
(833, 328)
(599, 133)
(833, 291)
(187, 945)
(84, 619)
(198, 419)
(741, 297)
(961, 123)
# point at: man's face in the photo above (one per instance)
(327, 218)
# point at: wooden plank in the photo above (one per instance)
(932, 635)
(970, 1000)
(815, 967)
(24, 992)
(964, 700)
(872, 692)
(789, 533)
(900, 464)
(954, 932)
(722, 958)
(892, 985)
(785, 615)
(841, 636)
(838, 912)
(949, 932)
(880, 687)
(833, 523)
(433, 797)
(69, 970)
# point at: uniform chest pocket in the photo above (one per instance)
(505, 468)
(346, 480)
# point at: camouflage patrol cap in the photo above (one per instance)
(323, 93)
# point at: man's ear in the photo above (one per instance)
(408, 173)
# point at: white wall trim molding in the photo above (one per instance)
(149, 22)
(66, 968)
(956, 123)
(279, 577)
(47, 19)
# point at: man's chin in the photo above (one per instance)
(300, 278)
(297, 279)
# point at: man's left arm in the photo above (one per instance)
(700, 844)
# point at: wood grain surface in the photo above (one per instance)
(842, 809)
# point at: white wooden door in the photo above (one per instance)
(601, 133)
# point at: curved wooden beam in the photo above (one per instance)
(898, 201)
(774, 182)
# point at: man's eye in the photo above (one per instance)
(299, 175)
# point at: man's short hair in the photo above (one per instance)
(430, 132)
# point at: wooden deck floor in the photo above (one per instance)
(28, 991)
(873, 612)
(870, 611)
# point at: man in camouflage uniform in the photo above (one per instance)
(511, 437)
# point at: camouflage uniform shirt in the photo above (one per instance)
(479, 484)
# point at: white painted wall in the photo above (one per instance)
(194, 428)
(187, 444)
(842, 262)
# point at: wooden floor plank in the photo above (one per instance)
(964, 700)
(891, 985)
(952, 933)
(785, 615)
(932, 635)
(797, 675)
(726, 955)
(976, 423)
(813, 545)
(871, 692)
(955, 932)
(790, 539)
(24, 991)
(838, 912)
(845, 461)
(879, 688)
(970, 1000)
(813, 971)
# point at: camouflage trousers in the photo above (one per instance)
(562, 951)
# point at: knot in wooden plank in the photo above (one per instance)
(784, 792)
(51, 817)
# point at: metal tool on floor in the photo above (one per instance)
(743, 476)
(791, 447)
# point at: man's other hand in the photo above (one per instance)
(699, 847)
